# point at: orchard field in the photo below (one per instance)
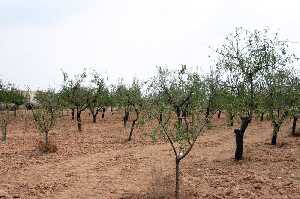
(228, 133)
(99, 163)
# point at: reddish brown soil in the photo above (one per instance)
(99, 163)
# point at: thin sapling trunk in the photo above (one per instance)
(177, 188)
(276, 128)
(295, 118)
(133, 124)
(126, 117)
(4, 132)
(78, 120)
(103, 112)
(73, 113)
(46, 138)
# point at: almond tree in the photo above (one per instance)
(4, 113)
(183, 95)
(5, 118)
(135, 103)
(98, 96)
(295, 100)
(212, 91)
(279, 98)
(76, 94)
(122, 100)
(46, 113)
(244, 58)
(10, 99)
(130, 98)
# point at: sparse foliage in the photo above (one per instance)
(181, 94)
(46, 114)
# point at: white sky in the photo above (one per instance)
(125, 38)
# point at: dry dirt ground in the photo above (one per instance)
(99, 163)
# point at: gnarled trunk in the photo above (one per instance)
(239, 137)
(94, 113)
(133, 124)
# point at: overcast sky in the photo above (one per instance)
(125, 38)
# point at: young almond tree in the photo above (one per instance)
(46, 113)
(135, 103)
(112, 99)
(5, 118)
(244, 58)
(229, 100)
(130, 98)
(76, 95)
(122, 100)
(4, 113)
(98, 96)
(182, 111)
(212, 91)
(10, 99)
(295, 100)
(14, 98)
(279, 98)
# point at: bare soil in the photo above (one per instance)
(99, 163)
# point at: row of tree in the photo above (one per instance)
(254, 75)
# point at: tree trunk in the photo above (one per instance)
(133, 125)
(177, 178)
(78, 120)
(262, 117)
(94, 118)
(294, 125)
(160, 118)
(219, 114)
(15, 112)
(73, 113)
(131, 130)
(103, 112)
(276, 128)
(4, 133)
(111, 110)
(231, 119)
(126, 117)
(239, 137)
